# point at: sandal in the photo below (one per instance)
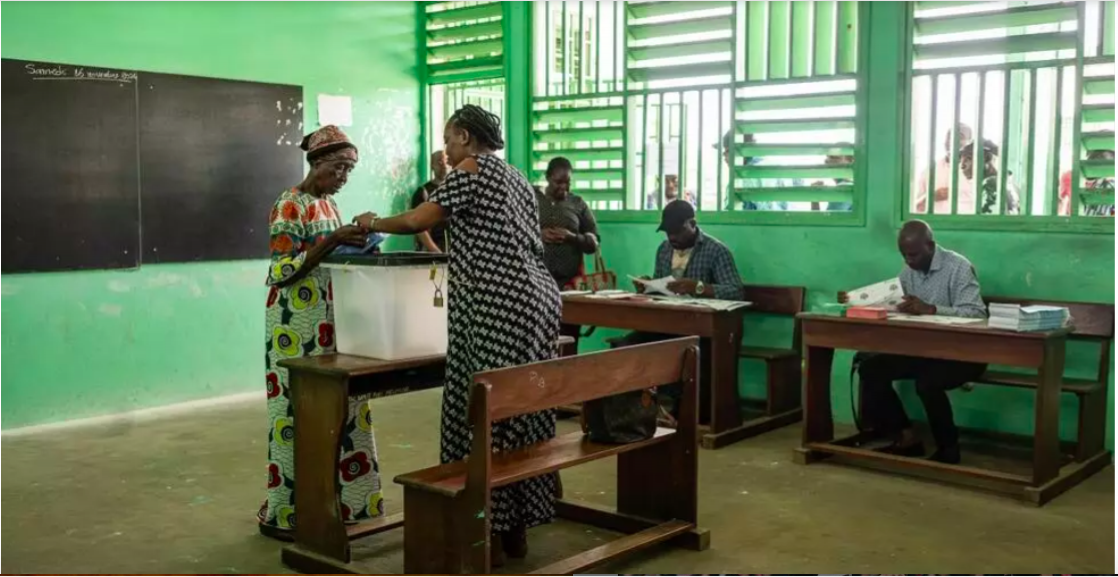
(284, 535)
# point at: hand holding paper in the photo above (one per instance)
(654, 286)
(886, 294)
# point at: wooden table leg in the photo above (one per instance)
(320, 404)
(1046, 439)
(819, 424)
(725, 342)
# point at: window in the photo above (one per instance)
(465, 62)
(746, 107)
(1011, 112)
(444, 99)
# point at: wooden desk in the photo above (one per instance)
(320, 389)
(724, 329)
(1041, 351)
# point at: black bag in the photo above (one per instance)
(623, 418)
(858, 359)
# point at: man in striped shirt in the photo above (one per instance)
(936, 281)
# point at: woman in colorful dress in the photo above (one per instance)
(504, 305)
(306, 227)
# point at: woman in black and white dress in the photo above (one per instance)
(504, 305)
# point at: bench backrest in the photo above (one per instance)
(565, 381)
(1093, 321)
(775, 300)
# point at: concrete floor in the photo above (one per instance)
(179, 495)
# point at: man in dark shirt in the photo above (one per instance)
(568, 229)
(703, 267)
(433, 240)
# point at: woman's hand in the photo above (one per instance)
(350, 234)
(557, 235)
(365, 220)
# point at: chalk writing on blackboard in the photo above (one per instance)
(62, 72)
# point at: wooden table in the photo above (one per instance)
(723, 328)
(974, 343)
(320, 390)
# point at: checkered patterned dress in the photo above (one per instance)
(504, 310)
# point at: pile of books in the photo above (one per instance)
(1027, 318)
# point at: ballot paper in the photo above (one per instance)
(886, 294)
(611, 294)
(714, 304)
(935, 319)
(655, 286)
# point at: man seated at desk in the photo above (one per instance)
(702, 266)
(936, 281)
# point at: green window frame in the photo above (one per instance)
(463, 62)
(614, 84)
(1035, 79)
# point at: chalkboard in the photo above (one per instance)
(113, 168)
(71, 177)
(214, 155)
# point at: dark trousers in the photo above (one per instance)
(674, 392)
(934, 377)
(572, 331)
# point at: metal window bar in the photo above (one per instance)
(930, 196)
(954, 152)
(1054, 151)
(565, 76)
(1007, 88)
(979, 162)
(1030, 157)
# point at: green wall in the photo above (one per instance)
(827, 259)
(93, 343)
(82, 344)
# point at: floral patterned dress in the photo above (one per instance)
(300, 322)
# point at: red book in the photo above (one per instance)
(866, 312)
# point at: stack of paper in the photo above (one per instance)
(1027, 318)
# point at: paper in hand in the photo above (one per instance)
(655, 286)
(886, 294)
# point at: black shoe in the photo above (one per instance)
(949, 455)
(912, 450)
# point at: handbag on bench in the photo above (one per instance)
(623, 418)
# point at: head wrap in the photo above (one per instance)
(328, 143)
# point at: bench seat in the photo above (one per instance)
(1029, 381)
(767, 353)
(511, 466)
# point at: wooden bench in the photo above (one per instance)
(320, 388)
(1092, 322)
(783, 366)
(447, 507)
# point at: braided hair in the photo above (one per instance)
(481, 124)
(556, 164)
